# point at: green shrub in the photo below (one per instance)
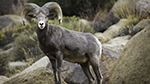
(25, 47)
(72, 23)
(3, 62)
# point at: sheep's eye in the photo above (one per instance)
(31, 16)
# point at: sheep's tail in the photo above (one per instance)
(100, 46)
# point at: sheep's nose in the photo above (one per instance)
(41, 24)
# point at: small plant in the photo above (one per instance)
(125, 12)
(26, 46)
(72, 23)
(16, 8)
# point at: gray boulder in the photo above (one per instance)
(9, 21)
(38, 76)
(140, 26)
(120, 9)
(110, 54)
(143, 8)
(72, 73)
(11, 6)
(132, 66)
(13, 65)
(43, 62)
(121, 40)
(3, 79)
(114, 31)
(115, 46)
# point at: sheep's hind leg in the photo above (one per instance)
(86, 69)
(95, 64)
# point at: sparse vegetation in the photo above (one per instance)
(16, 8)
(131, 15)
(125, 12)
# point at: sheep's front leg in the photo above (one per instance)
(59, 57)
(53, 62)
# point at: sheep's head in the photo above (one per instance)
(42, 13)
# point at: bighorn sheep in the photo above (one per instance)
(60, 44)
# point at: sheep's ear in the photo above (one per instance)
(23, 22)
(60, 20)
(31, 15)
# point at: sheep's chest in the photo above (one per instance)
(47, 49)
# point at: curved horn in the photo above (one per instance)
(29, 7)
(53, 6)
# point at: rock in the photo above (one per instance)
(9, 21)
(11, 7)
(113, 31)
(124, 9)
(140, 26)
(132, 66)
(43, 62)
(101, 37)
(110, 54)
(13, 65)
(143, 8)
(116, 13)
(127, 4)
(99, 27)
(38, 76)
(122, 40)
(113, 47)
(3, 79)
(83, 22)
(72, 73)
(106, 61)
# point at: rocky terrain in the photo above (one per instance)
(124, 33)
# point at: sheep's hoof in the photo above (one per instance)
(101, 80)
(58, 82)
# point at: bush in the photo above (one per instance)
(73, 23)
(6, 36)
(3, 62)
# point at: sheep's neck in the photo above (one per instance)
(42, 33)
